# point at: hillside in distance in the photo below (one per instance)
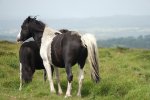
(127, 42)
(104, 28)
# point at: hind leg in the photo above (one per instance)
(81, 63)
(80, 78)
(69, 77)
(58, 81)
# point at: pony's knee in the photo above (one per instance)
(69, 72)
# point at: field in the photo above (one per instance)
(125, 75)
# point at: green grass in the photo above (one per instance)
(125, 75)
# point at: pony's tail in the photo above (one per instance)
(89, 41)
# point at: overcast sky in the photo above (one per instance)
(56, 9)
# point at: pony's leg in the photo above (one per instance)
(58, 81)
(69, 77)
(49, 74)
(20, 88)
(80, 80)
(81, 63)
(68, 92)
(44, 75)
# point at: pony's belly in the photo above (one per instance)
(58, 62)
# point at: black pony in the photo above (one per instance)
(62, 50)
(30, 60)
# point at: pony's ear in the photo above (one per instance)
(29, 18)
(35, 17)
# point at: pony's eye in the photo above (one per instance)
(24, 27)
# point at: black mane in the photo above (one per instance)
(63, 30)
(33, 20)
(33, 27)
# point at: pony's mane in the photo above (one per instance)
(39, 22)
(30, 19)
(63, 30)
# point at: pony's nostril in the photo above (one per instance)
(19, 40)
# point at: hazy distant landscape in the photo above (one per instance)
(109, 31)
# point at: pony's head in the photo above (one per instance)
(27, 74)
(29, 27)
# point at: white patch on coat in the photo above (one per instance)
(75, 33)
(45, 52)
(80, 80)
(69, 88)
(49, 74)
(47, 38)
(19, 34)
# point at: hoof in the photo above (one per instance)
(53, 91)
(60, 93)
(20, 89)
(79, 95)
(67, 96)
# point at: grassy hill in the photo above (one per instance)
(125, 75)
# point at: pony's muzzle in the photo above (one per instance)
(19, 41)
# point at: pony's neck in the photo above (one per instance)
(37, 37)
(37, 32)
(49, 33)
(45, 35)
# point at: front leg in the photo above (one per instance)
(49, 74)
(44, 73)
(69, 88)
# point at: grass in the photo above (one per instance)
(125, 75)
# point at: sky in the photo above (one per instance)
(60, 9)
